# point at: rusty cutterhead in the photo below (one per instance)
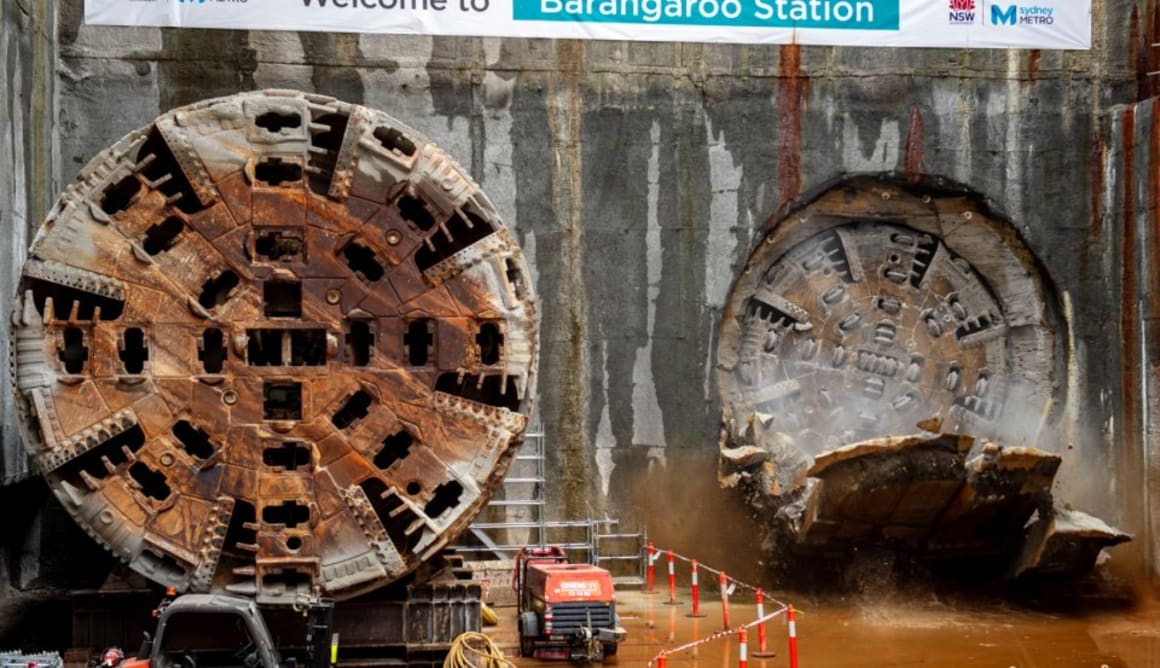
(274, 344)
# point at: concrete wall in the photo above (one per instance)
(28, 182)
(636, 174)
(1131, 209)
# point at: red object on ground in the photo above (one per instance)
(662, 660)
(793, 659)
(562, 583)
(724, 582)
(760, 625)
(650, 568)
(696, 591)
(743, 657)
(672, 581)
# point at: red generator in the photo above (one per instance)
(565, 606)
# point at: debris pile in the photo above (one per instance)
(938, 496)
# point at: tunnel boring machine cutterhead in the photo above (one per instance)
(274, 344)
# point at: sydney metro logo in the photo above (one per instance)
(961, 11)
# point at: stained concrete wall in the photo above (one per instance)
(28, 179)
(1131, 209)
(636, 174)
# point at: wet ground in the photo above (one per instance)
(913, 633)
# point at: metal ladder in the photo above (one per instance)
(593, 541)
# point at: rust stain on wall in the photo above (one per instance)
(1143, 57)
(1034, 56)
(1130, 308)
(790, 100)
(914, 145)
(1152, 240)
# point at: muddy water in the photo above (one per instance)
(888, 634)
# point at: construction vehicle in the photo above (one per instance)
(219, 630)
(562, 605)
(281, 347)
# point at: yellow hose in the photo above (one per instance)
(488, 615)
(475, 650)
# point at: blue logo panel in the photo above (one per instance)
(1001, 16)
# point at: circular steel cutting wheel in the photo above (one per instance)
(274, 344)
(876, 307)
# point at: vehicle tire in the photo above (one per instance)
(610, 649)
(529, 628)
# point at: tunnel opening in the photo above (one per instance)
(863, 341)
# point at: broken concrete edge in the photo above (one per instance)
(889, 445)
(1001, 497)
(1065, 544)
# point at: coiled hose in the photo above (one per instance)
(475, 650)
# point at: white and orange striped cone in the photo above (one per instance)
(792, 623)
(762, 652)
(695, 588)
(723, 582)
(672, 581)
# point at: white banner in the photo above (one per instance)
(960, 24)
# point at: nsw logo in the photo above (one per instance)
(961, 12)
